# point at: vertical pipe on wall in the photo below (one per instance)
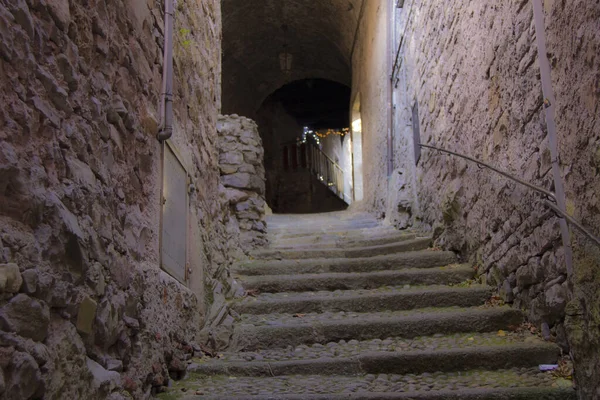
(166, 106)
(549, 101)
(390, 114)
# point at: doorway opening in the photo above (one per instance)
(304, 127)
(357, 162)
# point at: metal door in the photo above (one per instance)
(174, 215)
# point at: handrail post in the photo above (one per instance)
(544, 63)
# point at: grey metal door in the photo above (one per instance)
(174, 216)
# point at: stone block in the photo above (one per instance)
(60, 13)
(530, 274)
(82, 173)
(238, 180)
(10, 278)
(231, 158)
(104, 381)
(47, 111)
(228, 169)
(30, 281)
(26, 316)
(234, 196)
(555, 302)
(86, 315)
(25, 380)
(112, 364)
(20, 11)
(68, 71)
(108, 322)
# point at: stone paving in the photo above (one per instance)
(353, 347)
(339, 344)
(381, 383)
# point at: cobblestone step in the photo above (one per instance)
(353, 348)
(280, 330)
(307, 228)
(372, 238)
(347, 312)
(506, 384)
(366, 280)
(412, 259)
(384, 298)
(311, 252)
(319, 218)
(297, 230)
(445, 354)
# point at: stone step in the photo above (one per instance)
(318, 230)
(412, 259)
(320, 226)
(451, 274)
(340, 241)
(390, 363)
(353, 348)
(385, 298)
(505, 384)
(280, 330)
(370, 251)
(320, 217)
(390, 356)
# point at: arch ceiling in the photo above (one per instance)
(320, 36)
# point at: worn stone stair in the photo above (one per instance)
(340, 307)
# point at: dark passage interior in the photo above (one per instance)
(286, 65)
(318, 104)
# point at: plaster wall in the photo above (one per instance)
(369, 84)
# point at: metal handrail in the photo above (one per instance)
(289, 143)
(573, 222)
(539, 189)
(506, 174)
(319, 164)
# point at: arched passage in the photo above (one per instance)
(319, 35)
(318, 105)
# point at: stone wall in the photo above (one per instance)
(85, 309)
(243, 178)
(472, 69)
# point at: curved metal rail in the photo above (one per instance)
(536, 188)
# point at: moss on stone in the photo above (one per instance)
(587, 269)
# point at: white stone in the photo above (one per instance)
(10, 278)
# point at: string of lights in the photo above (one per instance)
(317, 135)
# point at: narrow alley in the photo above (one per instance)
(299, 199)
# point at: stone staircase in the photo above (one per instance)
(340, 307)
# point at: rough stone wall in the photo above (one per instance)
(243, 178)
(85, 309)
(472, 67)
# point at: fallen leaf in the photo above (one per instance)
(501, 333)
(299, 315)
